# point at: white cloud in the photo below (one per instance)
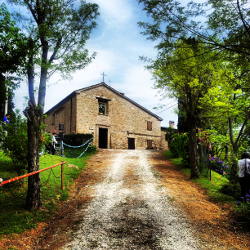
(138, 81)
(21, 95)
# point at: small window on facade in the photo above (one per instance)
(149, 125)
(61, 126)
(103, 107)
(149, 144)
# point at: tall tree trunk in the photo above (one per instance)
(192, 141)
(233, 171)
(192, 120)
(34, 116)
(2, 96)
(203, 156)
(43, 76)
(182, 125)
(11, 104)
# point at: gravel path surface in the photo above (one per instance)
(131, 210)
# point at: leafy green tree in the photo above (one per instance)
(222, 24)
(12, 56)
(57, 31)
(228, 112)
(188, 77)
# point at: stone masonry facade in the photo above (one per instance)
(114, 120)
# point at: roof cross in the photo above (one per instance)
(103, 76)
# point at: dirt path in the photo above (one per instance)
(131, 210)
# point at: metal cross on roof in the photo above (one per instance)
(103, 76)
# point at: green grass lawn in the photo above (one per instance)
(13, 217)
(176, 161)
(6, 169)
(213, 186)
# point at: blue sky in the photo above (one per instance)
(118, 43)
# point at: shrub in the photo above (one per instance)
(231, 189)
(242, 213)
(219, 166)
(76, 139)
(14, 141)
(179, 146)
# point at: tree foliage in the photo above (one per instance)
(12, 43)
(221, 24)
(211, 81)
(188, 74)
(228, 106)
(57, 32)
(12, 55)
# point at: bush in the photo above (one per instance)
(242, 213)
(92, 148)
(76, 139)
(14, 141)
(231, 189)
(179, 146)
(218, 166)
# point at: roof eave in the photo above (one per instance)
(61, 102)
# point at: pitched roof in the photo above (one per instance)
(102, 84)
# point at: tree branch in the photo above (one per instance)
(57, 47)
(31, 10)
(231, 131)
(246, 26)
(241, 131)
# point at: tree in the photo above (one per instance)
(57, 31)
(12, 56)
(228, 112)
(221, 24)
(188, 77)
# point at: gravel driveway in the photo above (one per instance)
(131, 210)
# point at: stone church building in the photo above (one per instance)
(114, 120)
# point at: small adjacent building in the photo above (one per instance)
(114, 120)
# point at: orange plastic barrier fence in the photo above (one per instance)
(29, 174)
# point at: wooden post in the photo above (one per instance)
(62, 176)
(61, 147)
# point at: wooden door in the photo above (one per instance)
(103, 138)
(131, 143)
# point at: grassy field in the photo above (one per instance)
(213, 186)
(13, 217)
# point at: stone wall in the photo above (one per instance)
(123, 120)
(65, 114)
